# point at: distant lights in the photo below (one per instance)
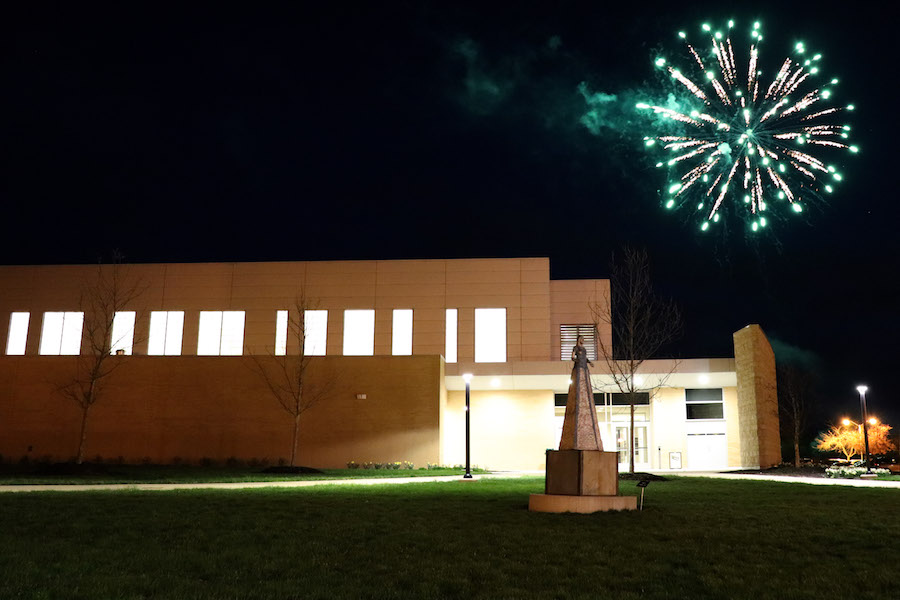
(797, 208)
(660, 62)
(705, 226)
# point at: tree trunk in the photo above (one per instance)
(296, 439)
(84, 419)
(796, 446)
(631, 440)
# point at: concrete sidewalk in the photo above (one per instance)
(241, 485)
(808, 480)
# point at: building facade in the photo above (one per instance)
(392, 338)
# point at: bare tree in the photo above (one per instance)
(794, 390)
(111, 292)
(641, 324)
(287, 376)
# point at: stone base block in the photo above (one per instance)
(554, 503)
(582, 473)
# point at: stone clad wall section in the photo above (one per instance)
(428, 287)
(218, 407)
(757, 398)
(573, 302)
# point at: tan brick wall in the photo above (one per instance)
(218, 407)
(428, 287)
(573, 302)
(757, 398)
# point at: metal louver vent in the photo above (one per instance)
(568, 334)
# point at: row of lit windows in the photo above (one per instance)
(221, 333)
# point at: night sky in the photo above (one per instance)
(322, 131)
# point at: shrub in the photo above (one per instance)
(369, 465)
(851, 472)
(352, 465)
(408, 465)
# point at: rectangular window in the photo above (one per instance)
(401, 336)
(359, 332)
(122, 333)
(568, 335)
(618, 399)
(315, 332)
(450, 343)
(166, 329)
(61, 333)
(281, 331)
(562, 399)
(221, 333)
(490, 335)
(18, 333)
(704, 404)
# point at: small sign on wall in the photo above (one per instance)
(674, 460)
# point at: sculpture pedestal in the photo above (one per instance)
(582, 481)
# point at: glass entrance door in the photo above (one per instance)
(641, 449)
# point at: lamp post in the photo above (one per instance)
(865, 424)
(468, 379)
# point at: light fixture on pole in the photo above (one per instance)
(865, 424)
(467, 377)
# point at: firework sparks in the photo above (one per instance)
(747, 138)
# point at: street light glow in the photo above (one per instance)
(846, 422)
(862, 389)
(467, 377)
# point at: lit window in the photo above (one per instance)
(122, 333)
(166, 328)
(281, 329)
(704, 404)
(61, 333)
(401, 340)
(315, 328)
(221, 333)
(490, 335)
(450, 344)
(359, 332)
(18, 333)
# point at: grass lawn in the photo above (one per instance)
(13, 474)
(697, 538)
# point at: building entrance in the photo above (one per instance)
(640, 445)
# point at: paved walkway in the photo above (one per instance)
(241, 485)
(809, 480)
